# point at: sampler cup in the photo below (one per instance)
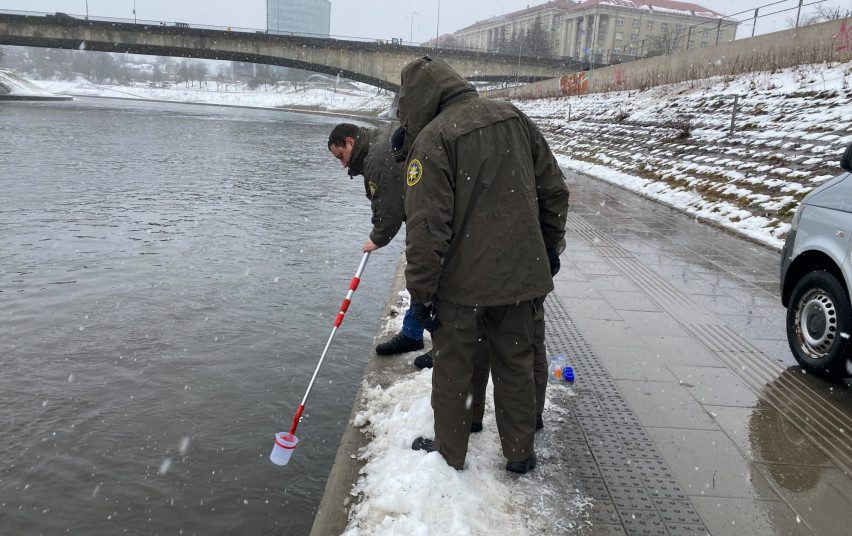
(282, 450)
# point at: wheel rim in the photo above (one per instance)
(817, 323)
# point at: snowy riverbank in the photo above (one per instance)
(401, 491)
(362, 100)
(15, 87)
(671, 143)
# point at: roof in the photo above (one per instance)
(563, 5)
(443, 39)
(659, 6)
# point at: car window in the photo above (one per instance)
(837, 196)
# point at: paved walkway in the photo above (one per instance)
(691, 416)
(688, 415)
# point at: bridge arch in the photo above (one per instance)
(378, 64)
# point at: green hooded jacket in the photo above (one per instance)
(384, 180)
(484, 197)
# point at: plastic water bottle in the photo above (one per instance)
(557, 364)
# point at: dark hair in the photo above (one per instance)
(340, 133)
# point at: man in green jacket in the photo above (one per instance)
(486, 205)
(365, 151)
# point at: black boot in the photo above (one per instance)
(475, 427)
(539, 423)
(523, 467)
(398, 344)
(421, 443)
(424, 361)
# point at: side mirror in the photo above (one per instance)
(846, 160)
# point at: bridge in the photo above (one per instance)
(375, 63)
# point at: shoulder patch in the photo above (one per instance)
(415, 172)
(372, 188)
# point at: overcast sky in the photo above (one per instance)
(375, 19)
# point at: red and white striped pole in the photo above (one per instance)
(353, 286)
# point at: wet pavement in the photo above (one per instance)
(690, 416)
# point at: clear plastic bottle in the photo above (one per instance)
(554, 370)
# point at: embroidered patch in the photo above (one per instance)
(415, 172)
(372, 188)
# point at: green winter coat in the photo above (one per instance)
(484, 194)
(384, 181)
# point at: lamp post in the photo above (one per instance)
(438, 26)
(411, 28)
(134, 11)
(87, 9)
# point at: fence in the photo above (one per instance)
(828, 41)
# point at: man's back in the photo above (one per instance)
(478, 196)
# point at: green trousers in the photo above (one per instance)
(481, 366)
(505, 334)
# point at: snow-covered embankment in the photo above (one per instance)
(672, 143)
(14, 87)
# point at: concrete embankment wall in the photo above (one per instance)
(818, 43)
(333, 513)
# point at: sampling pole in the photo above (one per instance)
(353, 286)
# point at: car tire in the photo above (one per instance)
(819, 324)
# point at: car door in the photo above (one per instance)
(829, 224)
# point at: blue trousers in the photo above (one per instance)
(411, 328)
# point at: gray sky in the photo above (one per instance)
(375, 19)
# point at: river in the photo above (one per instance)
(168, 278)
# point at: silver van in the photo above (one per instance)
(816, 277)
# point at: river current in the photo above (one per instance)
(169, 275)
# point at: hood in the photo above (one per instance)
(359, 151)
(427, 85)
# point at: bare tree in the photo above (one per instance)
(222, 77)
(821, 14)
(665, 43)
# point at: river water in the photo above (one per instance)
(168, 278)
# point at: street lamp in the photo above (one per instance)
(87, 9)
(438, 26)
(411, 28)
(134, 11)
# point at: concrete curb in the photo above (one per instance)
(329, 113)
(333, 513)
(30, 98)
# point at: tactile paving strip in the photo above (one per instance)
(615, 463)
(825, 422)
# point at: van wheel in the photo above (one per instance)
(819, 325)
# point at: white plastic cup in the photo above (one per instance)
(285, 443)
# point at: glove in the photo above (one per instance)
(398, 148)
(425, 316)
(553, 259)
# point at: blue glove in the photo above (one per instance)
(553, 259)
(425, 316)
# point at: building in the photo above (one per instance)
(499, 33)
(603, 31)
(311, 18)
(301, 17)
(609, 31)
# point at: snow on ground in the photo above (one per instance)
(362, 100)
(401, 491)
(671, 142)
(411, 492)
(13, 84)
